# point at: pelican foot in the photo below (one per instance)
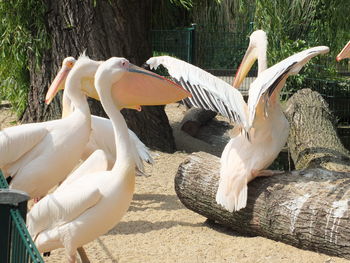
(257, 173)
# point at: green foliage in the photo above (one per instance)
(222, 14)
(222, 32)
(315, 68)
(22, 35)
(183, 3)
(295, 25)
(168, 14)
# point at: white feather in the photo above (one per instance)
(219, 89)
(288, 66)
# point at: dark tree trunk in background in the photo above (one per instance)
(110, 28)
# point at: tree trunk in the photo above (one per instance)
(313, 140)
(195, 118)
(104, 29)
(305, 208)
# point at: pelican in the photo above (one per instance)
(91, 205)
(345, 53)
(37, 156)
(102, 136)
(261, 128)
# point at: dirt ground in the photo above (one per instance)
(158, 228)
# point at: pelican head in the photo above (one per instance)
(60, 79)
(255, 51)
(132, 86)
(345, 53)
(58, 84)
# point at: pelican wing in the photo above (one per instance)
(102, 137)
(272, 80)
(96, 162)
(62, 206)
(16, 141)
(208, 91)
(140, 152)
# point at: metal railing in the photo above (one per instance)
(177, 43)
(16, 245)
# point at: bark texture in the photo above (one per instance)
(103, 29)
(306, 208)
(194, 118)
(313, 140)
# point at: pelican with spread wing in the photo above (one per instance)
(261, 128)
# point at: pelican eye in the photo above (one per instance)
(69, 64)
(125, 63)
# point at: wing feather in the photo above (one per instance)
(96, 162)
(16, 141)
(223, 97)
(272, 79)
(61, 206)
(102, 137)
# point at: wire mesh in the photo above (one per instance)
(177, 43)
(21, 248)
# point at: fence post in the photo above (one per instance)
(9, 198)
(251, 26)
(192, 47)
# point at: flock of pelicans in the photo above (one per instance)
(93, 198)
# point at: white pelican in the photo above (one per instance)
(261, 128)
(39, 155)
(102, 136)
(345, 53)
(91, 205)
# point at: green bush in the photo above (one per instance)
(22, 35)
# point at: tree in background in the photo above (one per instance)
(67, 28)
(33, 47)
(22, 36)
(293, 25)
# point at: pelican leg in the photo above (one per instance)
(83, 256)
(72, 258)
(9, 179)
(257, 173)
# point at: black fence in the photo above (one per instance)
(16, 245)
(221, 51)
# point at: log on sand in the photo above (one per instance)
(194, 119)
(307, 208)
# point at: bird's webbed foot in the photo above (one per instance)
(257, 173)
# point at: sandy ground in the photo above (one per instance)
(158, 228)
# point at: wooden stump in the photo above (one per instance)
(313, 140)
(194, 119)
(306, 208)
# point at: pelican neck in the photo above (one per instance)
(121, 134)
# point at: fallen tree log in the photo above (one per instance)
(313, 140)
(306, 208)
(194, 119)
